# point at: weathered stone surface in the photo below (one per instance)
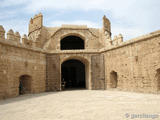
(136, 65)
(53, 79)
(16, 62)
(97, 67)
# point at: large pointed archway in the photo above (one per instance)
(73, 74)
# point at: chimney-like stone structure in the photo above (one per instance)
(35, 23)
(106, 26)
(17, 37)
(118, 39)
(2, 33)
(10, 35)
(25, 41)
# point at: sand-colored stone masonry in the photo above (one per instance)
(136, 63)
(132, 65)
(18, 59)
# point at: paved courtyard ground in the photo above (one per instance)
(82, 105)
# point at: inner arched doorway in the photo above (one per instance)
(24, 84)
(73, 74)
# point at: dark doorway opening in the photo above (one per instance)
(114, 81)
(73, 74)
(24, 84)
(158, 78)
(72, 43)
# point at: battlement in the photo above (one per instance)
(14, 37)
(117, 40)
(36, 23)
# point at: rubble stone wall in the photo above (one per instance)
(18, 61)
(136, 65)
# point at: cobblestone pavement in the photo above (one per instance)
(82, 105)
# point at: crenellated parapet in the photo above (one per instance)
(11, 36)
(15, 38)
(25, 41)
(117, 40)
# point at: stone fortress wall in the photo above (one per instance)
(19, 58)
(136, 63)
(132, 65)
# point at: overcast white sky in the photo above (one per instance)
(131, 18)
